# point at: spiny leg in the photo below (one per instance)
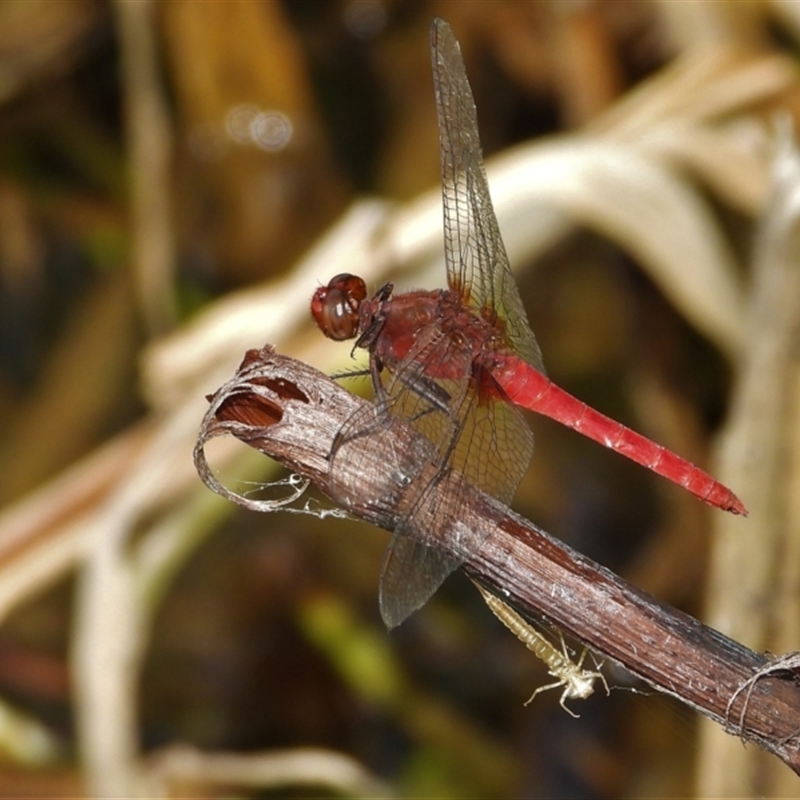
(564, 696)
(596, 674)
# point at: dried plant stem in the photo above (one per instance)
(112, 619)
(291, 412)
(182, 767)
(752, 591)
(149, 141)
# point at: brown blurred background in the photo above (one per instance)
(157, 158)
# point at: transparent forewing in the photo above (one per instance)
(494, 449)
(417, 560)
(409, 396)
(471, 439)
(411, 573)
(478, 444)
(477, 264)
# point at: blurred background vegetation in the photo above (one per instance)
(175, 180)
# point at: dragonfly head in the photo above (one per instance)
(335, 306)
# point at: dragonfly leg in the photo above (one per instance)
(437, 397)
(579, 664)
(354, 373)
(563, 704)
(564, 695)
(597, 673)
(567, 656)
(378, 320)
(602, 677)
(546, 688)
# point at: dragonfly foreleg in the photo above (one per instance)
(437, 398)
(350, 373)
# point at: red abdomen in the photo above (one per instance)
(528, 388)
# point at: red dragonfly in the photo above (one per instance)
(458, 363)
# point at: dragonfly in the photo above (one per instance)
(459, 364)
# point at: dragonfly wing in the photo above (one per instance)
(479, 444)
(477, 263)
(490, 450)
(406, 396)
(468, 440)
(426, 489)
(464, 443)
(495, 449)
(412, 572)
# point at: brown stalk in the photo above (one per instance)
(291, 412)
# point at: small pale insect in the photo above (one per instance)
(578, 682)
